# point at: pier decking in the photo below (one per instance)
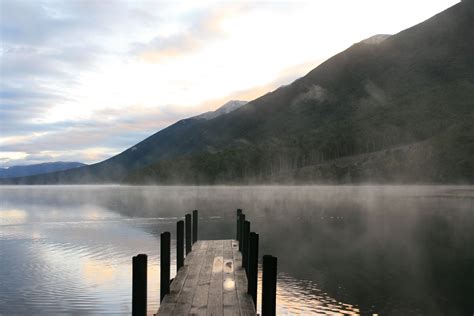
(211, 282)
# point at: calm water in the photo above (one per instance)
(344, 250)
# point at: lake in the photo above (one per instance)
(347, 250)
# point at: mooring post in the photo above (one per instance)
(139, 285)
(269, 282)
(187, 220)
(245, 251)
(195, 226)
(179, 245)
(253, 267)
(239, 212)
(165, 265)
(241, 242)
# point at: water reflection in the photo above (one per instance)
(305, 297)
(218, 264)
(229, 266)
(12, 217)
(342, 250)
(98, 272)
(229, 284)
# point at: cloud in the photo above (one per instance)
(110, 132)
(204, 26)
(51, 23)
(37, 60)
(46, 47)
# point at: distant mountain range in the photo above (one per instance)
(28, 170)
(388, 109)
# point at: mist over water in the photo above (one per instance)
(389, 250)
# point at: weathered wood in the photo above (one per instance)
(170, 300)
(245, 245)
(206, 270)
(179, 245)
(207, 284)
(178, 281)
(245, 300)
(200, 299)
(165, 259)
(139, 285)
(242, 221)
(215, 302)
(187, 220)
(239, 212)
(185, 297)
(230, 300)
(269, 281)
(195, 226)
(253, 267)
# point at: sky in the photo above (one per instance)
(85, 80)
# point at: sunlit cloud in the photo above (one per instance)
(204, 27)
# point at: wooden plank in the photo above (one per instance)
(169, 302)
(245, 300)
(185, 298)
(230, 300)
(200, 299)
(166, 309)
(215, 302)
(178, 282)
(206, 271)
(174, 300)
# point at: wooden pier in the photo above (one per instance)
(217, 277)
(211, 282)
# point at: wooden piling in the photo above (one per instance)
(245, 248)
(242, 221)
(179, 245)
(239, 212)
(269, 282)
(253, 267)
(187, 220)
(165, 259)
(195, 226)
(139, 285)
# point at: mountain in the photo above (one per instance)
(114, 169)
(28, 170)
(225, 109)
(376, 39)
(398, 110)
